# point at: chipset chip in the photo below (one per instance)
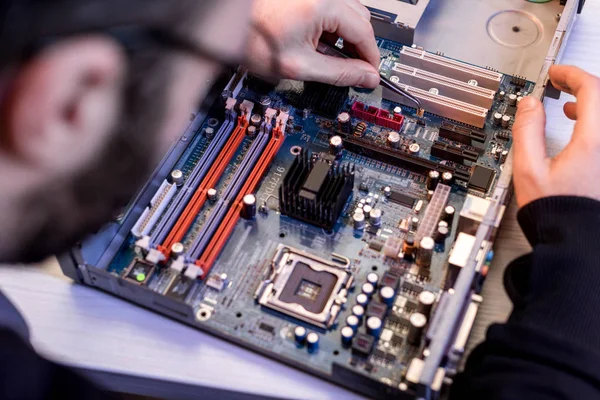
(402, 199)
(481, 178)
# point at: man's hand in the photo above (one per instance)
(573, 172)
(297, 25)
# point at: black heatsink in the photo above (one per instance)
(325, 100)
(316, 189)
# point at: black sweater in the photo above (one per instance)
(548, 349)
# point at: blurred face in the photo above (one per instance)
(83, 125)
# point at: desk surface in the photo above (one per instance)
(134, 350)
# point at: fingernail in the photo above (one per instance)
(369, 80)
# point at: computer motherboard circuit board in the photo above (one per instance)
(326, 227)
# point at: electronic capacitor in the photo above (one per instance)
(373, 278)
(374, 325)
(362, 299)
(425, 252)
(408, 247)
(387, 294)
(353, 322)
(443, 223)
(506, 121)
(497, 118)
(512, 99)
(441, 234)
(519, 100)
(347, 334)
(448, 178)
(497, 153)
(501, 95)
(177, 177)
(367, 210)
(426, 300)
(368, 289)
(255, 120)
(448, 214)
(429, 194)
(265, 102)
(312, 342)
(300, 333)
(336, 146)
(211, 194)
(397, 111)
(177, 249)
(394, 140)
(249, 206)
(375, 217)
(358, 311)
(504, 155)
(414, 223)
(433, 178)
(416, 328)
(387, 191)
(414, 149)
(344, 123)
(251, 131)
(359, 221)
(209, 132)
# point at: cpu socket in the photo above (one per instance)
(306, 287)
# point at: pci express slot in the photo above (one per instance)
(448, 87)
(461, 134)
(451, 68)
(157, 206)
(401, 159)
(253, 177)
(189, 214)
(198, 173)
(447, 151)
(441, 105)
(218, 213)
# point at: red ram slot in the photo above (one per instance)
(214, 248)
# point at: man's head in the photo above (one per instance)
(90, 103)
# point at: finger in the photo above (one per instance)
(529, 141)
(570, 109)
(357, 6)
(585, 87)
(355, 29)
(336, 71)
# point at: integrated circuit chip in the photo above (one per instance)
(402, 199)
(481, 178)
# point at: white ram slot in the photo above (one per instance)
(152, 213)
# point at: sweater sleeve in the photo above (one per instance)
(550, 346)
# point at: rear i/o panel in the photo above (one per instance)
(325, 227)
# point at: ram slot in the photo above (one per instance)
(187, 217)
(451, 68)
(441, 105)
(157, 206)
(198, 173)
(252, 178)
(448, 87)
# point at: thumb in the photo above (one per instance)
(529, 142)
(339, 71)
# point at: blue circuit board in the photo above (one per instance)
(246, 260)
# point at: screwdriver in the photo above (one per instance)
(327, 47)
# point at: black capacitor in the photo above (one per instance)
(441, 234)
(336, 145)
(448, 178)
(433, 178)
(408, 247)
(426, 301)
(265, 102)
(448, 214)
(344, 122)
(252, 131)
(249, 206)
(416, 328)
(256, 120)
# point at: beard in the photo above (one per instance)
(59, 215)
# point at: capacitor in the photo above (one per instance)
(387, 191)
(397, 111)
(336, 146)
(359, 209)
(448, 214)
(359, 221)
(501, 95)
(344, 123)
(433, 178)
(519, 94)
(497, 118)
(448, 178)
(504, 156)
(368, 289)
(265, 102)
(506, 121)
(362, 299)
(176, 250)
(443, 223)
(408, 247)
(369, 200)
(211, 194)
(416, 328)
(375, 217)
(441, 234)
(347, 334)
(252, 131)
(425, 252)
(512, 99)
(387, 294)
(300, 333)
(519, 99)
(367, 210)
(372, 278)
(429, 194)
(426, 300)
(352, 321)
(177, 177)
(249, 206)
(497, 153)
(414, 223)
(394, 140)
(312, 342)
(414, 149)
(255, 120)
(209, 132)
(374, 325)
(358, 311)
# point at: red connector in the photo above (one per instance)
(377, 116)
(369, 114)
(389, 121)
